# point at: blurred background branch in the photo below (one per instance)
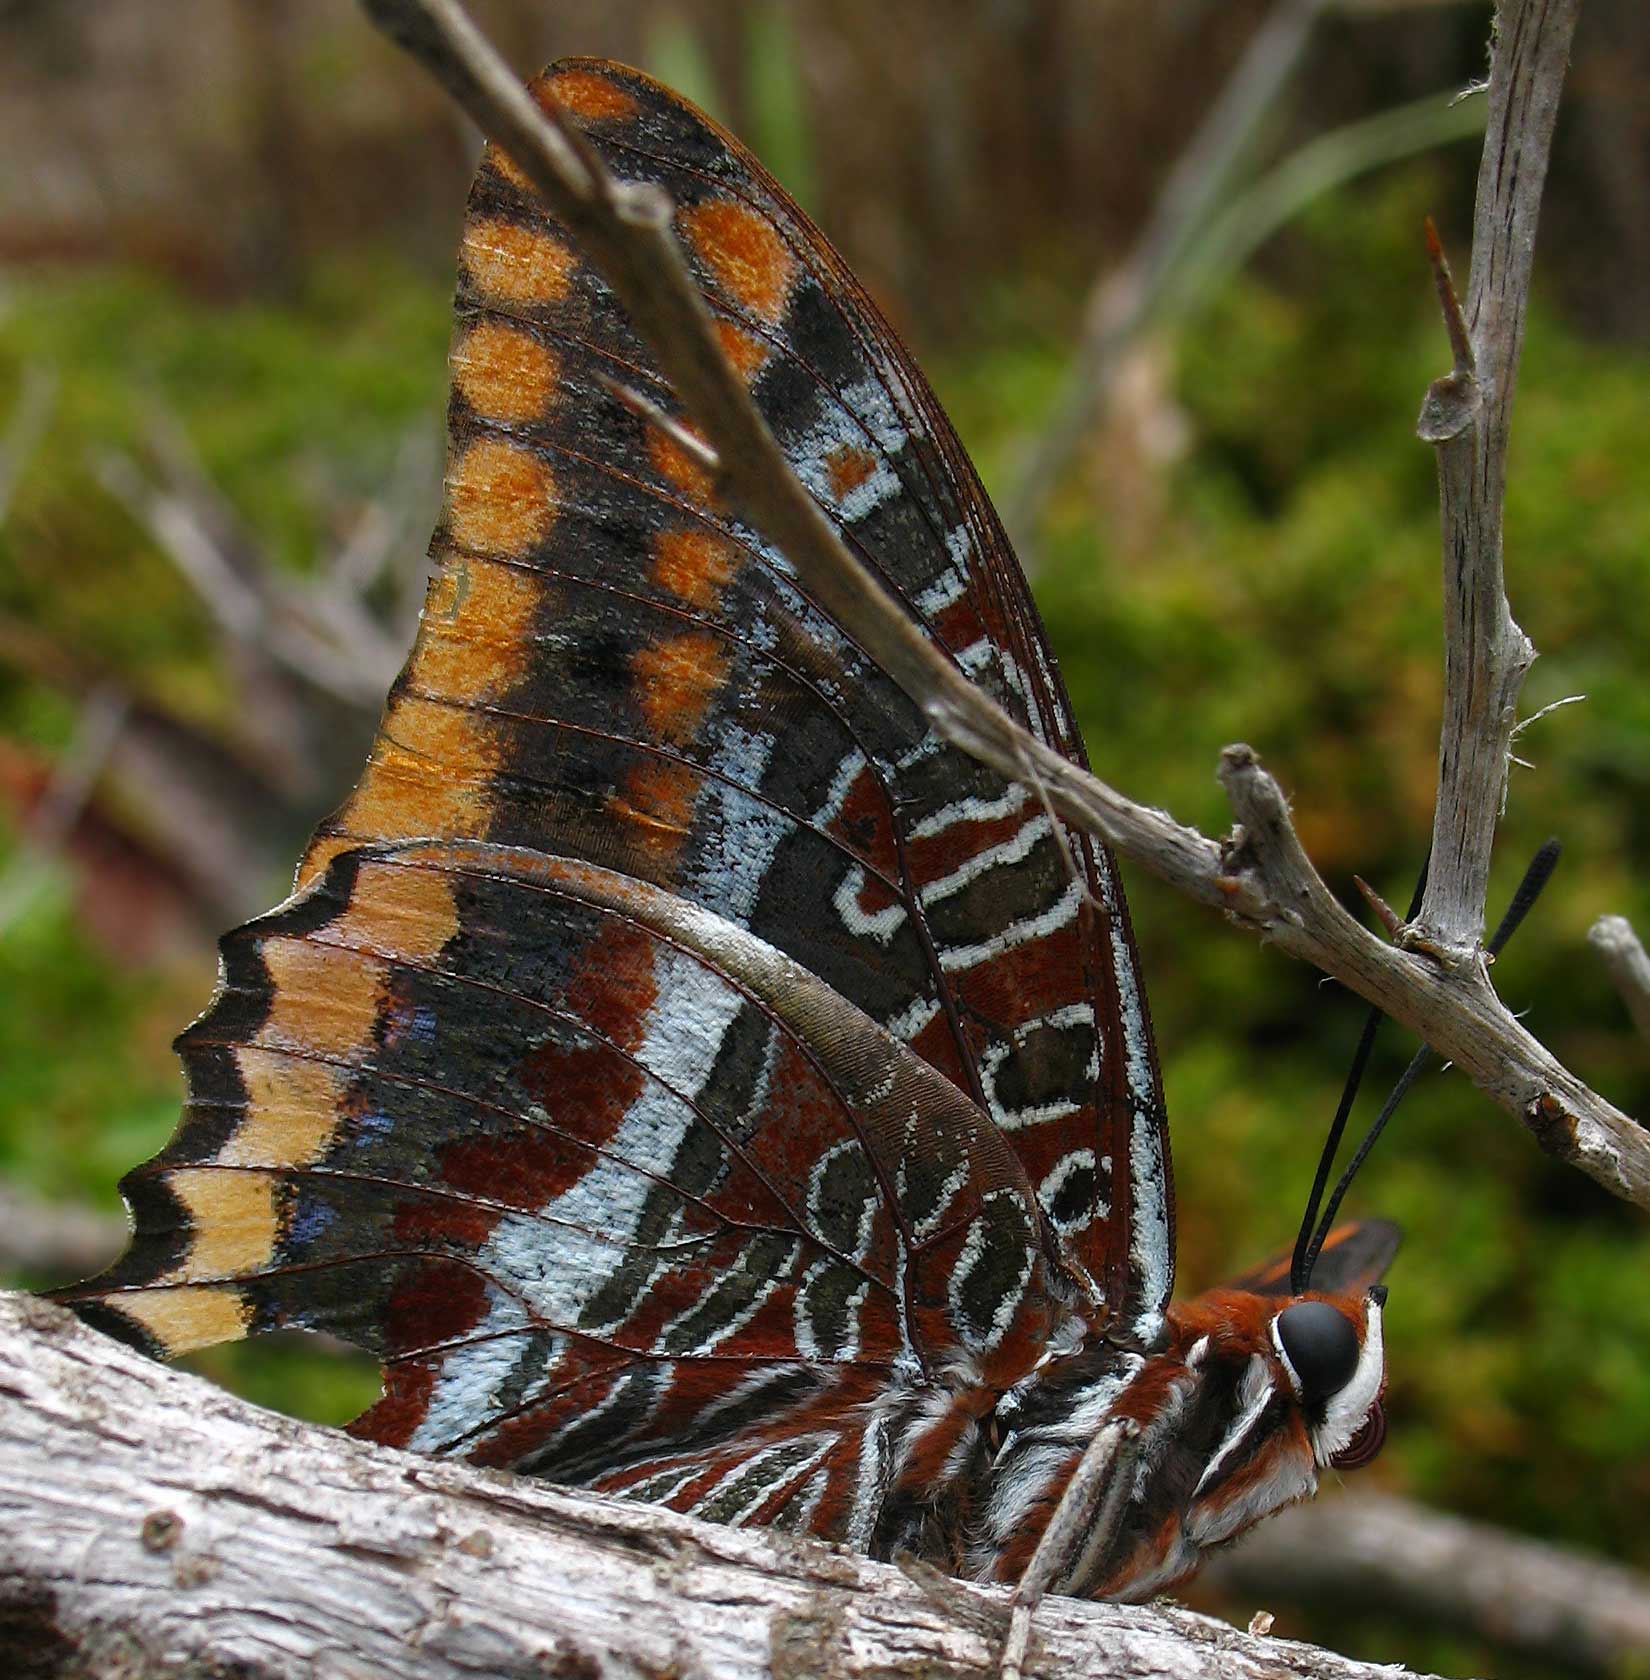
(1628, 965)
(1542, 1602)
(40, 1238)
(1127, 295)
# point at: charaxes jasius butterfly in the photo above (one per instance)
(689, 1075)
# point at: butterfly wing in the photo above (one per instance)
(614, 660)
(606, 1203)
(602, 1178)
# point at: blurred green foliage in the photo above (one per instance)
(1274, 581)
(291, 411)
(85, 1077)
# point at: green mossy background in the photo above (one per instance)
(1275, 580)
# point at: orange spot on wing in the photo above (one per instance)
(745, 252)
(694, 565)
(189, 1316)
(849, 468)
(292, 1110)
(399, 910)
(747, 352)
(515, 263)
(587, 94)
(682, 469)
(478, 625)
(324, 1000)
(656, 807)
(503, 373)
(675, 682)
(428, 777)
(233, 1222)
(500, 499)
(500, 161)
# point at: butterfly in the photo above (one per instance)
(691, 1077)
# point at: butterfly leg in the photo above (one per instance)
(1083, 1523)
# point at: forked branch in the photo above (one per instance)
(1261, 877)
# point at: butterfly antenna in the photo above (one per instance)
(1536, 877)
(1300, 1264)
(1530, 889)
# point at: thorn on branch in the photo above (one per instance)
(1455, 324)
(1384, 913)
(1452, 403)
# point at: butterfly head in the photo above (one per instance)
(1335, 1363)
(1287, 1388)
(1255, 1392)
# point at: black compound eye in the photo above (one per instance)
(1321, 1345)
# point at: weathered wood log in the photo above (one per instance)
(151, 1524)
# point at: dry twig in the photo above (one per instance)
(1467, 415)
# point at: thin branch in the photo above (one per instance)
(1628, 966)
(1262, 877)
(1562, 1607)
(152, 1524)
(1467, 415)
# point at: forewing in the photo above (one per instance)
(613, 667)
(610, 1185)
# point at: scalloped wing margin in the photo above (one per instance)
(618, 1193)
